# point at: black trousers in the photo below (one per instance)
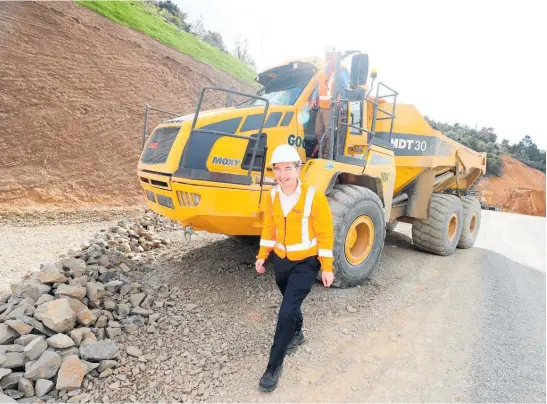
(294, 280)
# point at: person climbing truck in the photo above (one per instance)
(322, 94)
(298, 238)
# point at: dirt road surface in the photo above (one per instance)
(469, 327)
(25, 248)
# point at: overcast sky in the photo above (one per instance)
(477, 62)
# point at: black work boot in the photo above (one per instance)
(268, 381)
(297, 339)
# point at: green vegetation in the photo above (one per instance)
(486, 140)
(140, 17)
(527, 152)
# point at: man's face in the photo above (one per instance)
(286, 174)
(330, 58)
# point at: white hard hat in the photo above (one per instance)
(285, 154)
(331, 49)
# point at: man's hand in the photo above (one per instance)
(259, 265)
(327, 278)
(312, 104)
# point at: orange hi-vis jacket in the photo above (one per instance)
(325, 85)
(307, 230)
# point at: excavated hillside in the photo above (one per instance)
(73, 89)
(521, 189)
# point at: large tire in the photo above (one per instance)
(471, 222)
(440, 233)
(359, 233)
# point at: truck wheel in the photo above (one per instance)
(471, 222)
(440, 233)
(359, 231)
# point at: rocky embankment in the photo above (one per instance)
(63, 328)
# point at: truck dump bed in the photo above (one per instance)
(418, 147)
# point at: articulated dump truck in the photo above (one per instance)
(385, 165)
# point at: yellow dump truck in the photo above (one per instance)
(209, 170)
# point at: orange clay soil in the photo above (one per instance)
(521, 189)
(73, 89)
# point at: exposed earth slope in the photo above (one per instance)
(74, 86)
(521, 189)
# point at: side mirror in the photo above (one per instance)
(359, 70)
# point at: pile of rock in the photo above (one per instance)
(59, 327)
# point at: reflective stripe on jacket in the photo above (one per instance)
(325, 87)
(306, 231)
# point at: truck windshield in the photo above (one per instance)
(284, 89)
(287, 96)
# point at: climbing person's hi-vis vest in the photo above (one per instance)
(326, 82)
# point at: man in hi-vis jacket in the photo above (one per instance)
(322, 94)
(298, 237)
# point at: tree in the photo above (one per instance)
(452, 134)
(241, 51)
(505, 145)
(527, 141)
(172, 13)
(214, 39)
(481, 146)
(211, 37)
(486, 139)
(494, 166)
(169, 6)
(173, 19)
(198, 29)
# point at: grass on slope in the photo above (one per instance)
(135, 15)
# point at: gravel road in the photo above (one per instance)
(25, 248)
(469, 327)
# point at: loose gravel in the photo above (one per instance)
(25, 248)
(412, 332)
(83, 303)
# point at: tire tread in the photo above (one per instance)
(341, 200)
(470, 205)
(429, 234)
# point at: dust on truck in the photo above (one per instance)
(210, 171)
